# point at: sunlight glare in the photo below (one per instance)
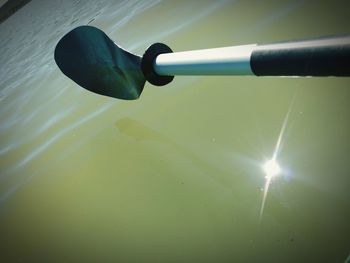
(271, 168)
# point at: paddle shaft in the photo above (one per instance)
(323, 57)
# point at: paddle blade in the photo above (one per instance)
(91, 59)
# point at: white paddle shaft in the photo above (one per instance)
(322, 57)
(216, 61)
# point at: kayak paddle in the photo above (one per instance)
(91, 59)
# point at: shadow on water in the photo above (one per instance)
(141, 133)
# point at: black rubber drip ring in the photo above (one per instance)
(147, 63)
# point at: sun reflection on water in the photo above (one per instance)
(271, 167)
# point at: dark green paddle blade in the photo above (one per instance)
(90, 58)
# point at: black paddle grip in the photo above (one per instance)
(301, 60)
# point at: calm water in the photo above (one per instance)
(175, 176)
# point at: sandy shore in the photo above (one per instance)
(10, 7)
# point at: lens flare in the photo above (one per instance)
(271, 167)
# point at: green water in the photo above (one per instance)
(175, 176)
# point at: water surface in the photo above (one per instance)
(174, 176)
